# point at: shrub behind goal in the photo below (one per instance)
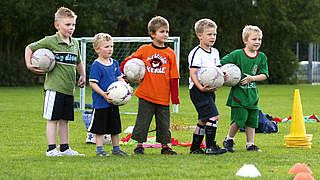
(123, 47)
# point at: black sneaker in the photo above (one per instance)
(253, 148)
(120, 153)
(215, 149)
(139, 150)
(167, 150)
(228, 144)
(197, 151)
(102, 153)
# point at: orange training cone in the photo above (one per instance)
(303, 176)
(298, 136)
(300, 168)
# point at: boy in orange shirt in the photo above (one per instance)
(161, 79)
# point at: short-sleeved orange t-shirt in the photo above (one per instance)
(161, 66)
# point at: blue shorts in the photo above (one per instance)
(204, 102)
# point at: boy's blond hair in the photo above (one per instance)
(202, 24)
(157, 22)
(249, 29)
(64, 12)
(99, 38)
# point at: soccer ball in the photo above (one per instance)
(134, 70)
(212, 77)
(120, 93)
(234, 74)
(43, 58)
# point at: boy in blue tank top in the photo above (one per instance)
(106, 117)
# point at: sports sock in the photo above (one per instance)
(164, 145)
(196, 142)
(140, 145)
(116, 149)
(249, 144)
(228, 137)
(64, 147)
(51, 147)
(99, 148)
(210, 135)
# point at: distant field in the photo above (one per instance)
(23, 141)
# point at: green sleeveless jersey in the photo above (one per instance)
(246, 95)
(63, 76)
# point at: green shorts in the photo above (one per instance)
(243, 116)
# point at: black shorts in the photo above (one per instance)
(105, 121)
(58, 106)
(204, 102)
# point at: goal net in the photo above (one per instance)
(123, 47)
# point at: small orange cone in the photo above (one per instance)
(303, 176)
(298, 136)
(300, 168)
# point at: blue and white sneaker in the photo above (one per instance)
(102, 153)
(120, 153)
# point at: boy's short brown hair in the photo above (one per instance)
(249, 29)
(200, 25)
(157, 22)
(99, 38)
(64, 12)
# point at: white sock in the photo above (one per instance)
(228, 137)
(249, 144)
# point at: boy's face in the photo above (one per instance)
(65, 26)
(105, 50)
(253, 42)
(161, 35)
(208, 37)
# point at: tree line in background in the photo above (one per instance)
(283, 22)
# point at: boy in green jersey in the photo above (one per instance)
(243, 98)
(60, 82)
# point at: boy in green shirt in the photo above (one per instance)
(60, 82)
(243, 98)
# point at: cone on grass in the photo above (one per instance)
(303, 176)
(300, 168)
(248, 170)
(298, 136)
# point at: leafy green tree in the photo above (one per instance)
(283, 23)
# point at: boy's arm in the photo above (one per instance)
(174, 89)
(27, 57)
(122, 64)
(250, 78)
(81, 71)
(97, 89)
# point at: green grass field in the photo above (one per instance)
(23, 141)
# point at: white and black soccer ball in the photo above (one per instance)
(120, 93)
(211, 77)
(134, 70)
(234, 74)
(43, 58)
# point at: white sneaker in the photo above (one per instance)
(70, 152)
(53, 152)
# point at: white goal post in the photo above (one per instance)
(86, 45)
